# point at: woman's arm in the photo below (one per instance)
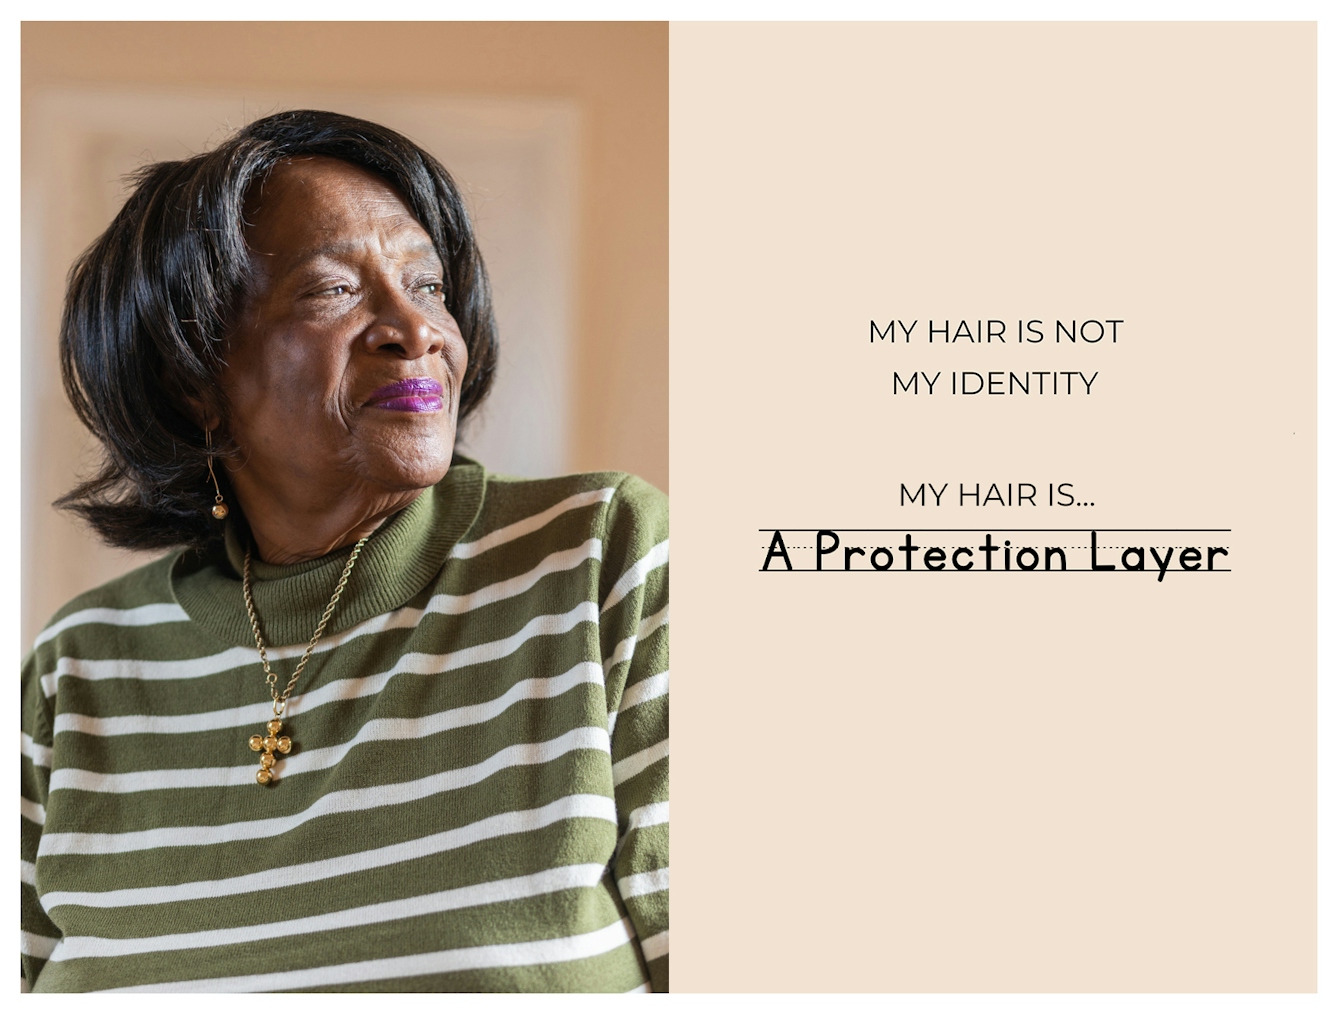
(634, 629)
(38, 935)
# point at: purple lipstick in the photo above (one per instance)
(412, 394)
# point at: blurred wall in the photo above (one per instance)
(608, 81)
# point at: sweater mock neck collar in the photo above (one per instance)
(398, 562)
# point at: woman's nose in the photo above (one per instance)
(401, 328)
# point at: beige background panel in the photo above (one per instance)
(1000, 782)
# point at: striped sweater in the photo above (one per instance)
(477, 798)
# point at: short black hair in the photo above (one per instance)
(151, 302)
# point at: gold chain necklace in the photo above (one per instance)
(272, 741)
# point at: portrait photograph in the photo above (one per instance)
(345, 596)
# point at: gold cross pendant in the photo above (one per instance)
(269, 743)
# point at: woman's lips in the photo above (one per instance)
(413, 394)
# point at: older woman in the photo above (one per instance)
(381, 719)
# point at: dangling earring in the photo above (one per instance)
(220, 510)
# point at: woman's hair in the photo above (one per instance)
(152, 301)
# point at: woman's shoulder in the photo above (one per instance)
(620, 484)
(602, 498)
(538, 516)
(139, 597)
(617, 520)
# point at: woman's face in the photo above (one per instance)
(344, 371)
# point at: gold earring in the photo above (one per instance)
(220, 510)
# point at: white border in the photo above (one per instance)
(945, 10)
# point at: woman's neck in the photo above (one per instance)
(287, 533)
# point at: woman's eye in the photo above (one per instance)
(335, 289)
(431, 288)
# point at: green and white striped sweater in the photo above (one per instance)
(477, 798)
